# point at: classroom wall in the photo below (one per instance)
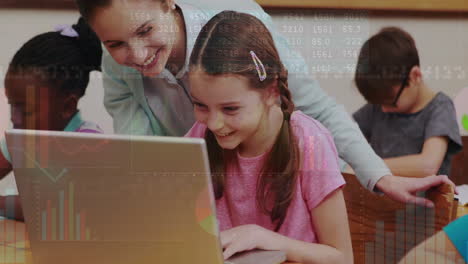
(442, 42)
(329, 40)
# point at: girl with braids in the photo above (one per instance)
(275, 170)
(45, 79)
(145, 68)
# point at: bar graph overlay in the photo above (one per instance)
(64, 221)
(412, 226)
(12, 242)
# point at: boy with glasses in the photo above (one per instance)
(411, 127)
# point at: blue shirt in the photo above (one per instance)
(457, 232)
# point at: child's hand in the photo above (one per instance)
(245, 237)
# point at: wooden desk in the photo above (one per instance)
(15, 249)
(462, 210)
(459, 166)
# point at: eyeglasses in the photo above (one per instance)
(403, 84)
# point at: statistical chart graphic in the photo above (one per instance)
(329, 41)
(53, 174)
(205, 216)
(59, 217)
(412, 225)
(12, 242)
(65, 222)
(12, 234)
(46, 152)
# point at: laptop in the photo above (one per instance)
(93, 198)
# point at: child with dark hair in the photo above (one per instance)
(45, 80)
(411, 127)
(275, 170)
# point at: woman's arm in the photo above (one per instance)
(330, 222)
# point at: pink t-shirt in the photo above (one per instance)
(319, 176)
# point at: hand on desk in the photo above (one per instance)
(404, 189)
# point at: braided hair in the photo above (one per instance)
(224, 47)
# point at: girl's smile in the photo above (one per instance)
(239, 116)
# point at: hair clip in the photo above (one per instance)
(257, 61)
(66, 30)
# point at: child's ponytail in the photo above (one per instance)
(287, 104)
(89, 45)
(280, 170)
(240, 44)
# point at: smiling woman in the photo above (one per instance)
(147, 36)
